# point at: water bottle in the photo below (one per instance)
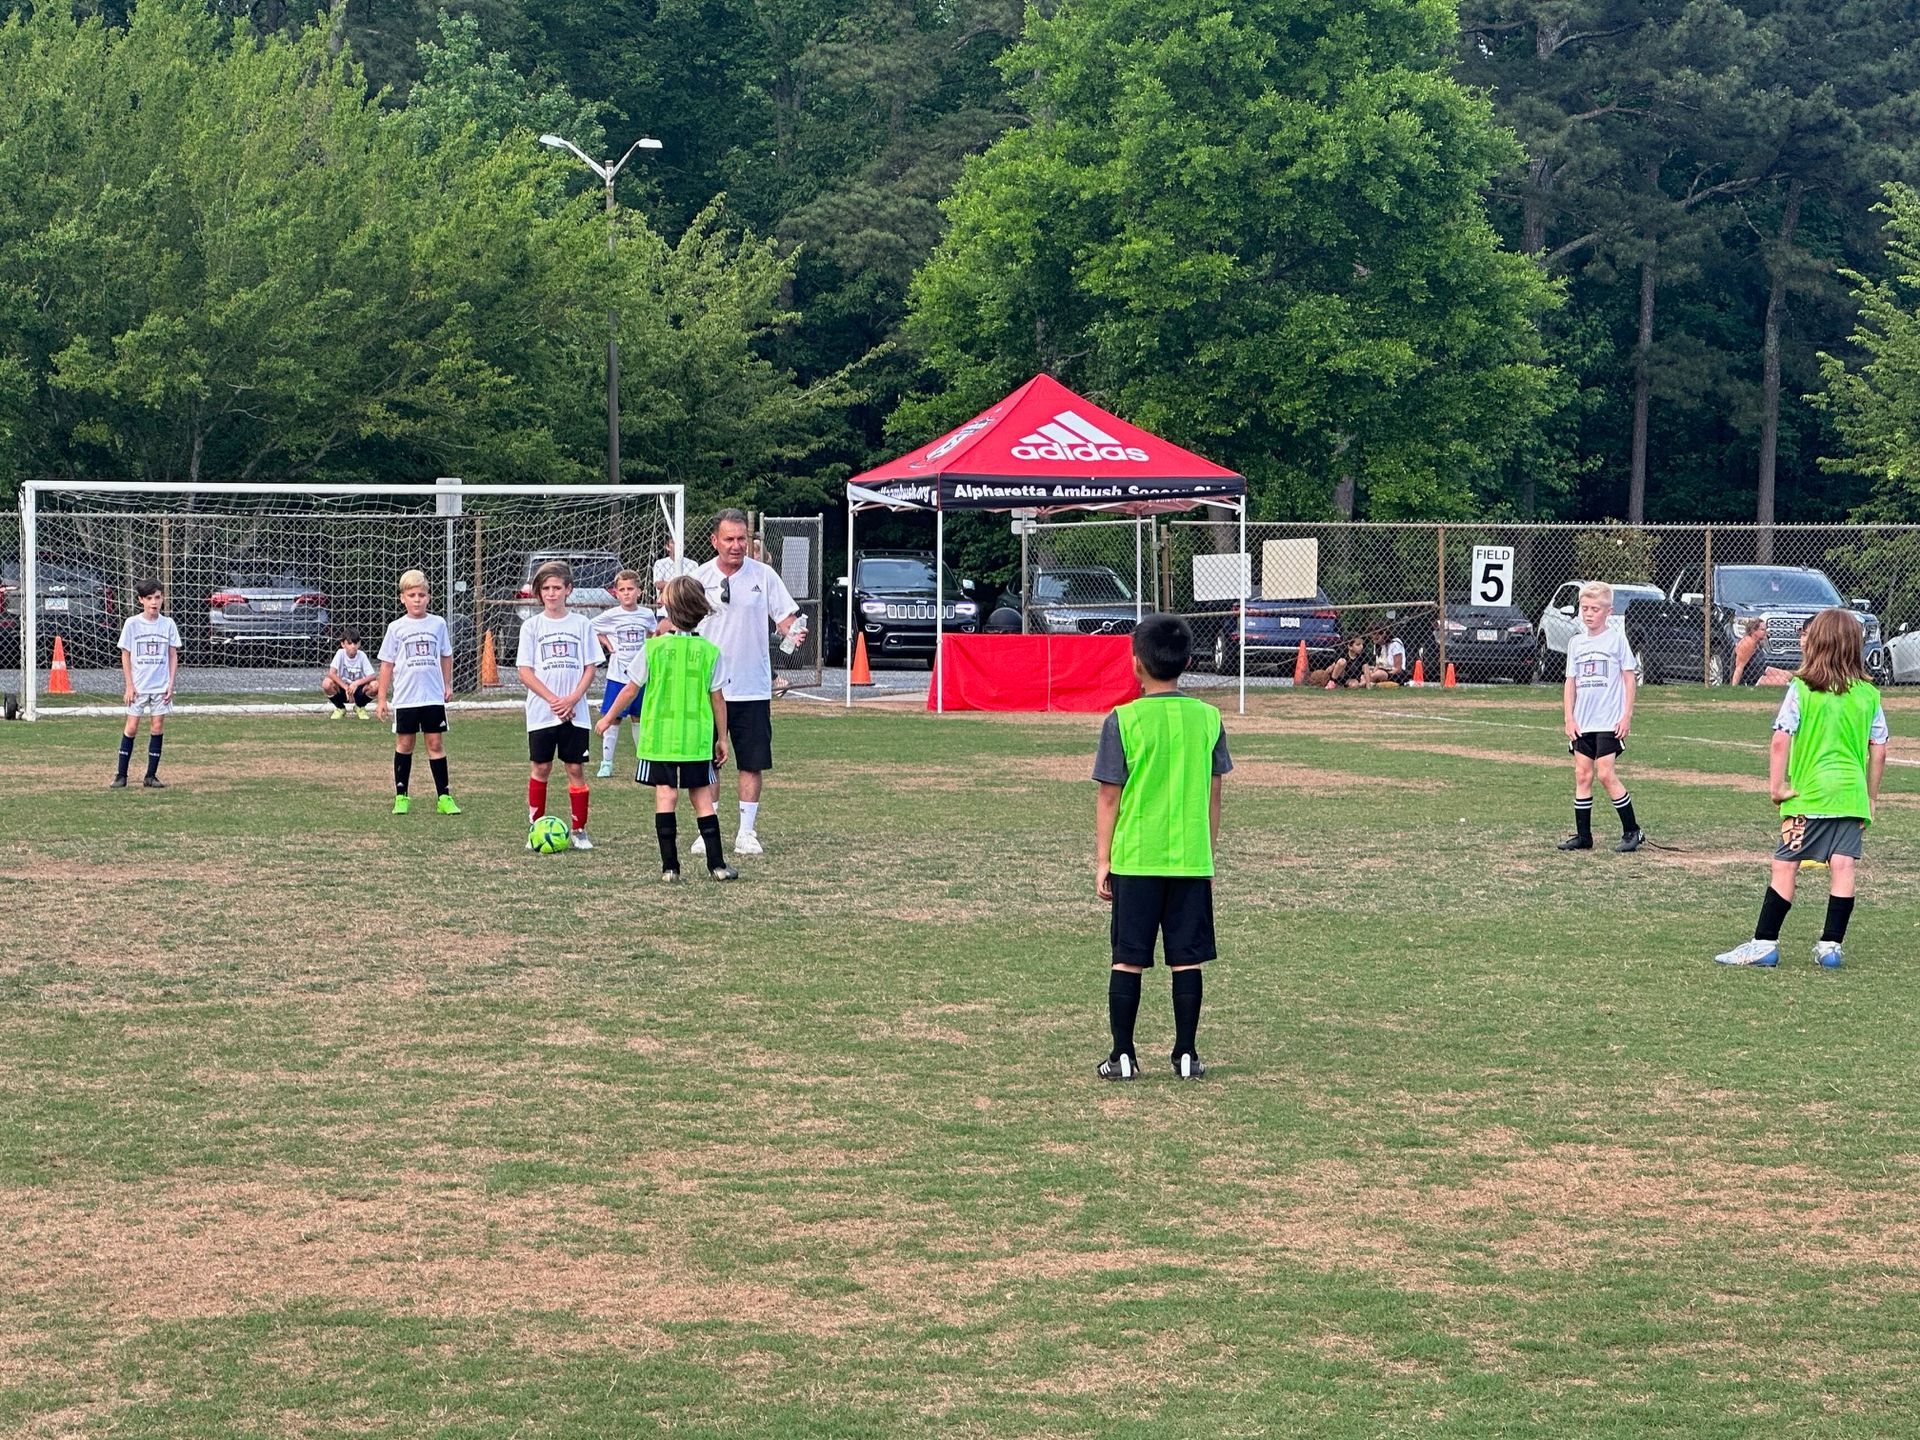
(795, 637)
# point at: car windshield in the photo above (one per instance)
(1760, 586)
(906, 574)
(1079, 587)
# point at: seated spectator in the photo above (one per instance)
(1387, 657)
(1348, 668)
(1749, 664)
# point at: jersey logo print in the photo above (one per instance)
(151, 649)
(419, 647)
(558, 651)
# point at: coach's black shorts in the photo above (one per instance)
(1595, 743)
(569, 741)
(1178, 908)
(680, 774)
(750, 734)
(420, 720)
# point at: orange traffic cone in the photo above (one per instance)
(1449, 681)
(1419, 670)
(861, 674)
(489, 664)
(58, 681)
(1300, 665)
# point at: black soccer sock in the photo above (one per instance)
(126, 755)
(339, 699)
(710, 837)
(1123, 1007)
(1839, 912)
(438, 764)
(1773, 914)
(1623, 807)
(1583, 817)
(402, 770)
(666, 828)
(1186, 1011)
(154, 742)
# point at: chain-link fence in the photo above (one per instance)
(793, 545)
(11, 654)
(1081, 577)
(264, 585)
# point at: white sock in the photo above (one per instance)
(609, 742)
(749, 812)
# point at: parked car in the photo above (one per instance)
(76, 603)
(267, 608)
(893, 600)
(1786, 597)
(1070, 600)
(593, 572)
(1560, 622)
(1275, 630)
(1669, 639)
(1484, 642)
(1903, 657)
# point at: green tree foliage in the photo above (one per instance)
(1875, 404)
(1259, 231)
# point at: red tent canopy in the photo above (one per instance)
(1046, 448)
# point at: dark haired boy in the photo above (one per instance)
(1159, 766)
(149, 663)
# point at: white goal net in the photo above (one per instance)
(263, 581)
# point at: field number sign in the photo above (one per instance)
(1493, 574)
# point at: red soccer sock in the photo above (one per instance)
(536, 800)
(577, 796)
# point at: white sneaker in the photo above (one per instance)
(605, 772)
(579, 840)
(747, 843)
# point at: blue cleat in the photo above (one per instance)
(1762, 953)
(1827, 954)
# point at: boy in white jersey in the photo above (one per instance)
(622, 631)
(1597, 704)
(349, 679)
(556, 659)
(416, 683)
(149, 659)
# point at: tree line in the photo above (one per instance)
(1579, 259)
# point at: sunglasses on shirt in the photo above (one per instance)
(726, 590)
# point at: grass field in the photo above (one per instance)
(318, 1122)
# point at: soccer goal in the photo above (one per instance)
(263, 580)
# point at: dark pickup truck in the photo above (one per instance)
(1675, 641)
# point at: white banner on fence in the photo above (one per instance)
(1289, 569)
(1492, 575)
(1222, 577)
(796, 565)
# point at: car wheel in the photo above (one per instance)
(1717, 667)
(1226, 656)
(1649, 675)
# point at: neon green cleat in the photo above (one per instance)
(446, 806)
(401, 804)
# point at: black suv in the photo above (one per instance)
(893, 598)
(1669, 637)
(1071, 600)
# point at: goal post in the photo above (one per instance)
(262, 580)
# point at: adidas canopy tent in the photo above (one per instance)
(1043, 448)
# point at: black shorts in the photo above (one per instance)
(750, 734)
(1595, 743)
(569, 741)
(1176, 907)
(680, 774)
(420, 720)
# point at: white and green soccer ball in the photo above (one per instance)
(548, 835)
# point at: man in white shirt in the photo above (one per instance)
(750, 603)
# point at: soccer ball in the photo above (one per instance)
(548, 835)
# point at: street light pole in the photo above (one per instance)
(607, 173)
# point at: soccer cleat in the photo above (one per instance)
(670, 877)
(153, 782)
(579, 840)
(722, 872)
(747, 843)
(336, 713)
(361, 711)
(1764, 954)
(401, 804)
(446, 806)
(1188, 1067)
(119, 782)
(1827, 954)
(1118, 1067)
(1576, 842)
(606, 769)
(1630, 842)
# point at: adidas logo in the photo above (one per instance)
(1068, 437)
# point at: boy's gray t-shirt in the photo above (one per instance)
(1597, 665)
(1110, 758)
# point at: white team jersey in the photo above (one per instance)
(148, 642)
(756, 599)
(560, 652)
(351, 669)
(1596, 665)
(413, 648)
(628, 630)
